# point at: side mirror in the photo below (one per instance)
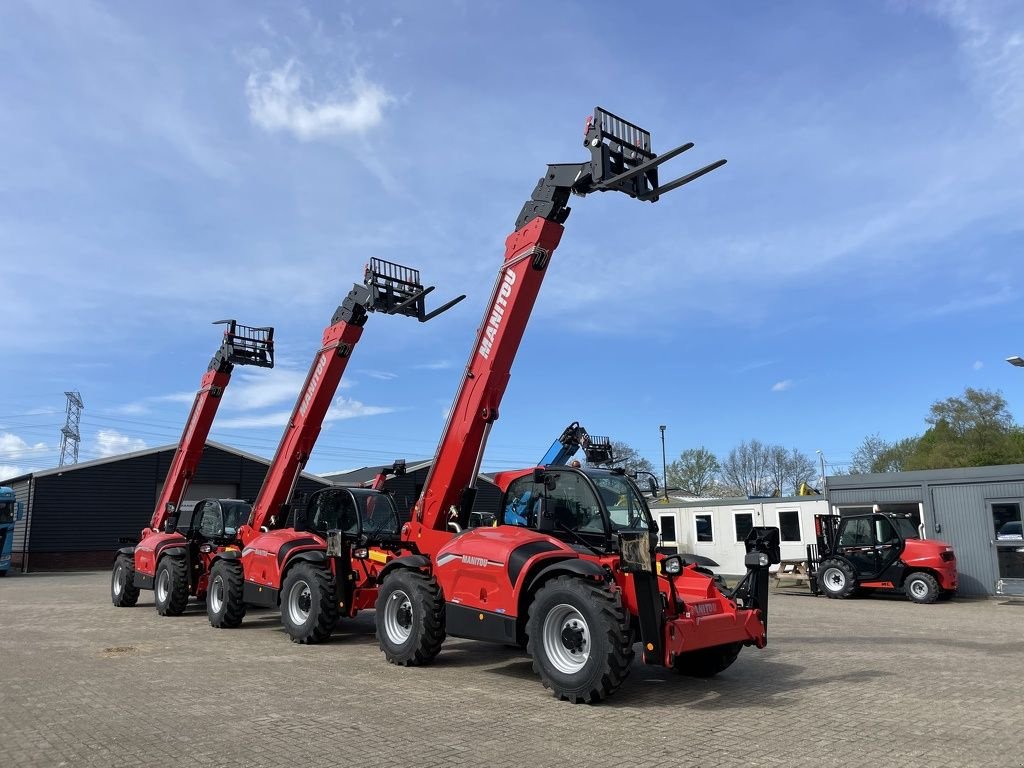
(652, 486)
(301, 523)
(545, 520)
(19, 510)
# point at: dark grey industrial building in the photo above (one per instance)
(977, 510)
(406, 489)
(77, 516)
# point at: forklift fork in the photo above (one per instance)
(396, 290)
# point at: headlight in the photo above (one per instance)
(672, 565)
(763, 560)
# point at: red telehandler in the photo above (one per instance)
(581, 581)
(272, 562)
(166, 559)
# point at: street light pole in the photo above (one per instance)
(664, 465)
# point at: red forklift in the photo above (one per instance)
(167, 559)
(861, 553)
(279, 556)
(580, 582)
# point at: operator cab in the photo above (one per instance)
(217, 520)
(362, 515)
(578, 505)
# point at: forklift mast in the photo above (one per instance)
(621, 160)
(388, 288)
(395, 470)
(242, 345)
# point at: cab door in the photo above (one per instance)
(856, 542)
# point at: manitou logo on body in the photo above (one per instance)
(474, 560)
(313, 381)
(497, 313)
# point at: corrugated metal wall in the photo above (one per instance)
(94, 508)
(876, 495)
(966, 521)
(21, 492)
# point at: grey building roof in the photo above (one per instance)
(147, 452)
(931, 476)
(739, 501)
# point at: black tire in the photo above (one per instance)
(170, 586)
(123, 592)
(225, 607)
(921, 587)
(707, 662)
(309, 608)
(410, 618)
(836, 579)
(578, 636)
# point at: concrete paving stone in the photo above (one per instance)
(866, 682)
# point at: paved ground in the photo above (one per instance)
(870, 682)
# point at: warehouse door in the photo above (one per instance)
(1008, 540)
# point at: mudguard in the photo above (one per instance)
(172, 552)
(585, 568)
(228, 554)
(126, 551)
(416, 562)
(310, 555)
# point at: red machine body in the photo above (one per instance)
(576, 595)
(270, 545)
(136, 567)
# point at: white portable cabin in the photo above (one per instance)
(717, 528)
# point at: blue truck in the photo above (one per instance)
(10, 513)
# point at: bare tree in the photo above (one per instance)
(627, 457)
(746, 468)
(694, 471)
(867, 454)
(800, 469)
(778, 468)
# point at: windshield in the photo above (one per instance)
(236, 514)
(371, 513)
(625, 507)
(906, 527)
(6, 511)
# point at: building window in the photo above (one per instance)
(789, 525)
(744, 523)
(705, 532)
(668, 528)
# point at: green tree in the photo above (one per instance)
(695, 471)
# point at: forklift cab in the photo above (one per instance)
(360, 514)
(577, 505)
(218, 520)
(872, 543)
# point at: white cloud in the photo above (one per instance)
(439, 365)
(978, 365)
(382, 375)
(110, 442)
(13, 447)
(11, 470)
(342, 408)
(782, 386)
(277, 102)
(251, 390)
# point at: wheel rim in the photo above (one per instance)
(834, 579)
(119, 580)
(918, 588)
(566, 638)
(163, 585)
(398, 617)
(216, 594)
(300, 601)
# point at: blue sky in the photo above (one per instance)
(164, 166)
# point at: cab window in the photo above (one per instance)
(334, 510)
(856, 532)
